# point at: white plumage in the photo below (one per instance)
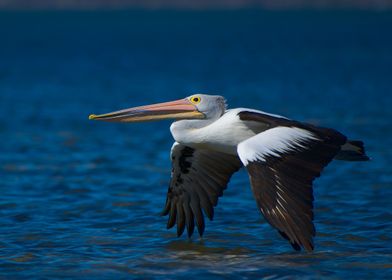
(273, 142)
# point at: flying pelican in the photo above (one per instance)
(282, 157)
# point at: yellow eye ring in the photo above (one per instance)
(195, 99)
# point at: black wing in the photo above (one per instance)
(198, 178)
(282, 163)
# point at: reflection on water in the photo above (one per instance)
(82, 199)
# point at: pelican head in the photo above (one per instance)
(197, 106)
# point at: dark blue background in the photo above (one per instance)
(81, 198)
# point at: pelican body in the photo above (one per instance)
(282, 157)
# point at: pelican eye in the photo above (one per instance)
(195, 99)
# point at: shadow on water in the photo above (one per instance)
(188, 249)
(182, 255)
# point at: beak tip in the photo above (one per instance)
(92, 117)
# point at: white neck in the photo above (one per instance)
(185, 131)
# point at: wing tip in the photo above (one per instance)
(180, 231)
(201, 230)
(306, 244)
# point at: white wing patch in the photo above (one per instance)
(273, 142)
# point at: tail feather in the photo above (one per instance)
(352, 150)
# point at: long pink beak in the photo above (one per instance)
(179, 109)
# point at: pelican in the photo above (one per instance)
(282, 157)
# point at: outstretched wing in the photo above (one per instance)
(198, 178)
(282, 163)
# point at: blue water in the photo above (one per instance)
(81, 199)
